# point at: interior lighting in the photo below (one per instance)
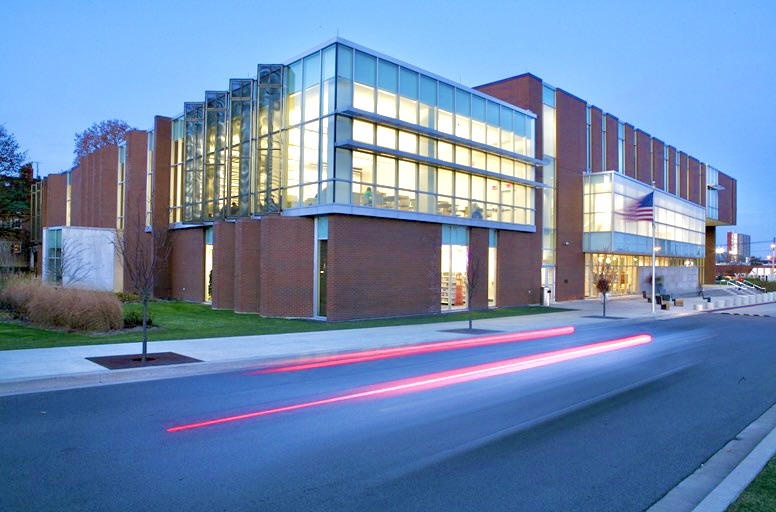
(411, 350)
(441, 379)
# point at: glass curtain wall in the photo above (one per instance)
(194, 117)
(548, 193)
(215, 185)
(310, 126)
(343, 126)
(408, 141)
(492, 262)
(122, 173)
(176, 170)
(54, 256)
(608, 233)
(270, 137)
(455, 260)
(238, 196)
(149, 178)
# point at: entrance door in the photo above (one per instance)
(548, 283)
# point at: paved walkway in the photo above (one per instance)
(34, 370)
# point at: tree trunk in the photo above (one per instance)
(145, 328)
(604, 294)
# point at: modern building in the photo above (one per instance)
(346, 184)
(739, 247)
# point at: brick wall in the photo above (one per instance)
(630, 134)
(286, 270)
(478, 254)
(612, 143)
(54, 200)
(188, 264)
(161, 195)
(596, 138)
(657, 164)
(672, 183)
(383, 267)
(644, 157)
(518, 281)
(570, 261)
(247, 253)
(223, 265)
(710, 266)
(727, 199)
(696, 192)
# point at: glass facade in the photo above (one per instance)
(680, 225)
(176, 169)
(345, 127)
(149, 180)
(122, 176)
(712, 192)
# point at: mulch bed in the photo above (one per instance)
(470, 331)
(134, 360)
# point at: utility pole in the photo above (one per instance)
(773, 255)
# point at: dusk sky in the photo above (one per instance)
(698, 75)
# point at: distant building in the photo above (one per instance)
(346, 184)
(739, 246)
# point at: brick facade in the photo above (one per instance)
(188, 264)
(286, 266)
(223, 265)
(383, 267)
(247, 246)
(570, 114)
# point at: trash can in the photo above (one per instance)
(546, 292)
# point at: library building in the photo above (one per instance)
(346, 184)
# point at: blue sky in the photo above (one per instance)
(698, 75)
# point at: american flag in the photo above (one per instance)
(641, 209)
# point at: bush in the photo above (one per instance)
(49, 306)
(134, 318)
(128, 297)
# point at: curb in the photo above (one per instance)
(724, 476)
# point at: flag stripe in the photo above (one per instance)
(641, 209)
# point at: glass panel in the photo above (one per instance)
(409, 84)
(366, 69)
(388, 76)
(428, 90)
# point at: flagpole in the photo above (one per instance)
(654, 277)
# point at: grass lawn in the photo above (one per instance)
(182, 320)
(761, 493)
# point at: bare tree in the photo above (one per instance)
(473, 281)
(143, 256)
(603, 274)
(76, 265)
(112, 132)
(11, 158)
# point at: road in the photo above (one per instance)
(613, 431)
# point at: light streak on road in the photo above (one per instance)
(441, 379)
(411, 350)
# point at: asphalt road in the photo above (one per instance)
(613, 431)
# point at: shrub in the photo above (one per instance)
(17, 293)
(60, 307)
(128, 297)
(134, 318)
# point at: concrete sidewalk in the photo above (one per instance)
(33, 370)
(37, 370)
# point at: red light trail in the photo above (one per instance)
(445, 378)
(411, 350)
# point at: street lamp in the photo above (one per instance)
(773, 254)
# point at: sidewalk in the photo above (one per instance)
(720, 482)
(34, 370)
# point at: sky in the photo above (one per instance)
(699, 75)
